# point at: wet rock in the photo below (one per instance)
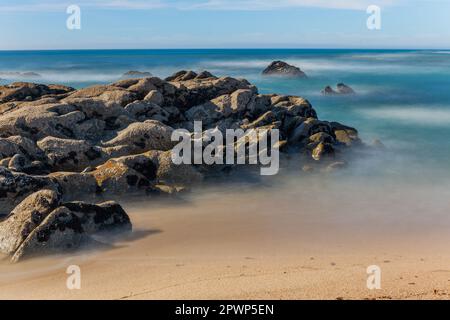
(25, 218)
(344, 134)
(281, 68)
(323, 150)
(342, 89)
(42, 224)
(329, 91)
(119, 136)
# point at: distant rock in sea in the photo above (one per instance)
(20, 75)
(136, 75)
(281, 68)
(341, 89)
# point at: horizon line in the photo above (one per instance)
(224, 48)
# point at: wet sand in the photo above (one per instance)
(309, 240)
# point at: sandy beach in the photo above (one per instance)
(244, 243)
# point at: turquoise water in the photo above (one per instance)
(403, 97)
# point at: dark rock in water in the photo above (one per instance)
(281, 68)
(30, 75)
(21, 75)
(328, 91)
(136, 75)
(342, 89)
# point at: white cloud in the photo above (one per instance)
(233, 5)
(284, 4)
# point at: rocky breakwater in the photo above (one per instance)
(60, 146)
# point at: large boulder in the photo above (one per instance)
(281, 68)
(144, 136)
(14, 187)
(70, 155)
(42, 224)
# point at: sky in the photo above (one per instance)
(148, 24)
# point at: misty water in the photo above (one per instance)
(403, 99)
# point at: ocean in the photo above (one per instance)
(403, 96)
(294, 235)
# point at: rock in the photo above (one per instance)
(322, 150)
(342, 89)
(170, 173)
(329, 91)
(21, 75)
(145, 110)
(14, 187)
(42, 224)
(19, 91)
(321, 137)
(19, 163)
(205, 75)
(208, 113)
(25, 218)
(109, 140)
(307, 128)
(240, 99)
(136, 74)
(182, 76)
(154, 96)
(281, 68)
(31, 75)
(344, 134)
(14, 145)
(194, 92)
(144, 136)
(74, 185)
(115, 177)
(108, 94)
(70, 155)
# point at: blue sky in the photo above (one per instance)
(33, 24)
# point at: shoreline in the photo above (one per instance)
(210, 248)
